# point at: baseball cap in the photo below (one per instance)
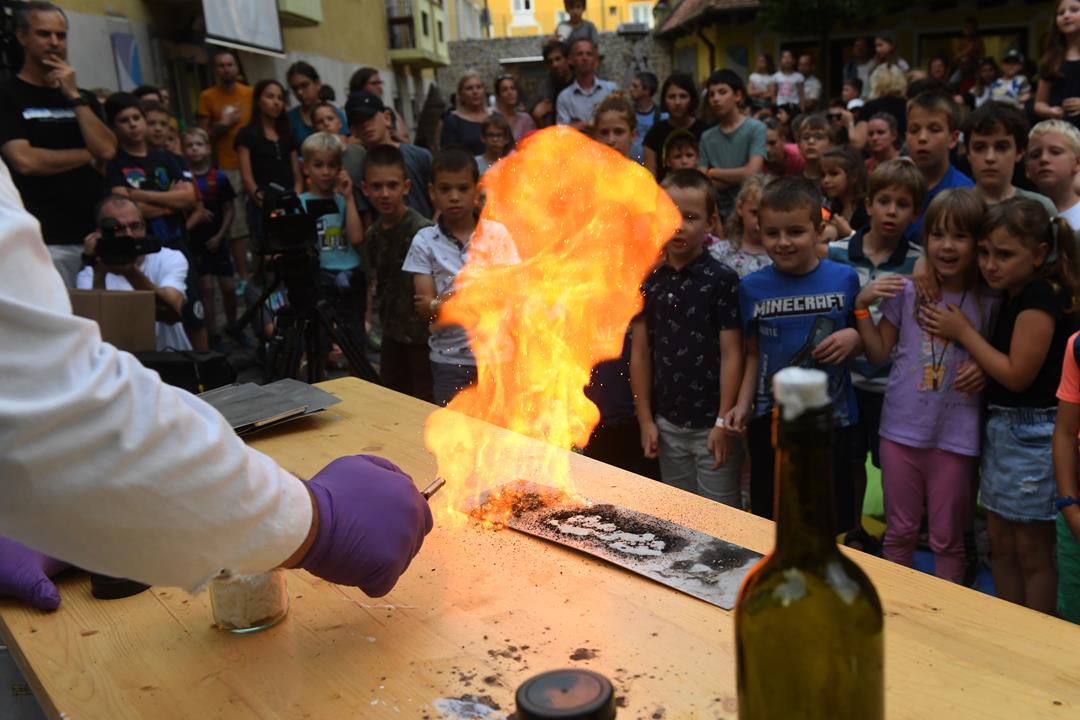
(364, 103)
(1013, 56)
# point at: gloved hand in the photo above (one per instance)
(372, 521)
(25, 573)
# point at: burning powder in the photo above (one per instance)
(588, 224)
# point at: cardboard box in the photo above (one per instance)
(126, 318)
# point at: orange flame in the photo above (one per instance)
(588, 225)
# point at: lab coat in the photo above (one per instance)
(106, 467)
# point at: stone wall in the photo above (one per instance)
(621, 57)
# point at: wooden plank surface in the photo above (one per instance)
(481, 611)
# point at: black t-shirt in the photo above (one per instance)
(658, 135)
(1066, 86)
(271, 160)
(549, 90)
(456, 130)
(154, 172)
(63, 203)
(1042, 393)
(895, 106)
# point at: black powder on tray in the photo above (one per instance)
(527, 502)
(610, 528)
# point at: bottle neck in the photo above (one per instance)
(805, 513)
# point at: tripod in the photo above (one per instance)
(300, 327)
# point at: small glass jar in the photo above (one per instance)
(249, 603)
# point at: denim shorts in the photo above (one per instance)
(1018, 464)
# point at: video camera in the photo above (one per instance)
(116, 249)
(290, 228)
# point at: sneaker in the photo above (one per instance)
(241, 287)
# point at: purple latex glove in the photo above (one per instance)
(25, 573)
(372, 521)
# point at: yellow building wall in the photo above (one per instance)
(451, 14)
(352, 30)
(606, 15)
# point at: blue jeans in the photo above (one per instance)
(450, 379)
(1018, 464)
(686, 463)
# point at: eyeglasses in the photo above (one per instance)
(128, 228)
(814, 137)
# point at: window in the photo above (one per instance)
(424, 25)
(523, 13)
(439, 30)
(642, 13)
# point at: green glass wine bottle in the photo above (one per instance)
(808, 626)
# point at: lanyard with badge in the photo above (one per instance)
(934, 373)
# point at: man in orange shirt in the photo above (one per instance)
(223, 110)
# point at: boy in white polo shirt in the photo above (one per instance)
(438, 254)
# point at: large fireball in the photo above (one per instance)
(588, 225)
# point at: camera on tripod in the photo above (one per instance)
(290, 228)
(117, 250)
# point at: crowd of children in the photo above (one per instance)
(914, 241)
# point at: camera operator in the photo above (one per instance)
(162, 272)
(50, 133)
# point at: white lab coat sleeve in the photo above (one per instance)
(106, 467)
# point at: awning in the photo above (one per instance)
(687, 11)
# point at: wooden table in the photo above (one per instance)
(480, 611)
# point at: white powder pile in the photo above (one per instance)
(242, 602)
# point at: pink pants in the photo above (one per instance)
(940, 481)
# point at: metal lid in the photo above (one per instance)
(570, 694)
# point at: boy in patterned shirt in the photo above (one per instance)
(686, 353)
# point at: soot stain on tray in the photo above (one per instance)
(611, 528)
(716, 559)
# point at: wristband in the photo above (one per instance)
(720, 422)
(1065, 501)
(433, 306)
(80, 101)
(861, 314)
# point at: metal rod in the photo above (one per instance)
(433, 488)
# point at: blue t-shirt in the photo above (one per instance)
(301, 130)
(645, 122)
(789, 315)
(953, 179)
(335, 251)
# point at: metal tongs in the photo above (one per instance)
(433, 488)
